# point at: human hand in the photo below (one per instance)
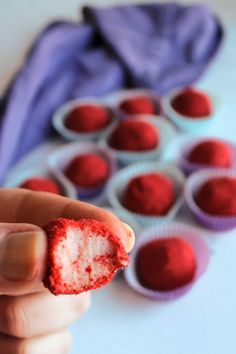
(32, 320)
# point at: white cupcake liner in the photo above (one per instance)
(166, 133)
(115, 100)
(188, 233)
(59, 117)
(119, 182)
(187, 123)
(190, 167)
(60, 158)
(193, 184)
(17, 179)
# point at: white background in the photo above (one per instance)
(202, 322)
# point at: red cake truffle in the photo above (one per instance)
(138, 105)
(213, 153)
(166, 264)
(40, 184)
(88, 171)
(134, 135)
(87, 118)
(149, 194)
(218, 196)
(82, 255)
(192, 103)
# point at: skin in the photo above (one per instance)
(23, 296)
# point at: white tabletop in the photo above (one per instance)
(120, 321)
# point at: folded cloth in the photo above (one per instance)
(157, 46)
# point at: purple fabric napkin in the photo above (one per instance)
(158, 46)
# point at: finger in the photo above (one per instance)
(23, 253)
(38, 314)
(56, 343)
(38, 208)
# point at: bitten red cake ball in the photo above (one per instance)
(88, 171)
(166, 264)
(82, 255)
(88, 118)
(213, 153)
(218, 196)
(39, 184)
(192, 103)
(138, 105)
(134, 135)
(149, 194)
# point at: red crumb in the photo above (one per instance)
(88, 118)
(218, 196)
(88, 171)
(166, 264)
(138, 105)
(212, 152)
(149, 194)
(134, 135)
(39, 184)
(192, 103)
(64, 276)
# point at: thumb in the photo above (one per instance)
(23, 252)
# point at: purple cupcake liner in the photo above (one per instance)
(188, 233)
(116, 99)
(16, 180)
(189, 167)
(59, 160)
(192, 186)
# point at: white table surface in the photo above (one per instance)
(120, 321)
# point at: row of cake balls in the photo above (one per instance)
(149, 192)
(89, 118)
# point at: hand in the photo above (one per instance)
(33, 321)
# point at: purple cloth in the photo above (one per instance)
(159, 46)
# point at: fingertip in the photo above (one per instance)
(130, 237)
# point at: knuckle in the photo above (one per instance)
(16, 322)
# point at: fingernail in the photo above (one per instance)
(131, 236)
(22, 255)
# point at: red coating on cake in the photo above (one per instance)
(134, 135)
(212, 152)
(166, 264)
(40, 184)
(138, 105)
(192, 103)
(62, 232)
(88, 170)
(218, 196)
(88, 118)
(149, 194)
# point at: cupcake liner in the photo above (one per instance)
(166, 134)
(189, 167)
(17, 179)
(58, 161)
(59, 117)
(187, 123)
(193, 184)
(115, 100)
(188, 233)
(118, 183)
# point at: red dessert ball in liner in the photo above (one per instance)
(88, 118)
(149, 194)
(192, 103)
(88, 170)
(40, 184)
(134, 135)
(138, 105)
(82, 255)
(212, 152)
(217, 196)
(166, 264)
